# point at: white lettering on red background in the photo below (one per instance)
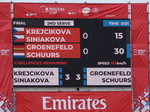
(73, 104)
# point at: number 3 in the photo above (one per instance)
(67, 76)
(78, 77)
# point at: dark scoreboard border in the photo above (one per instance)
(74, 65)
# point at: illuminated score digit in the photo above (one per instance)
(78, 77)
(119, 35)
(67, 76)
(118, 51)
(85, 51)
(85, 35)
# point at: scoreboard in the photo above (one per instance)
(71, 52)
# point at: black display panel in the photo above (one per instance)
(71, 52)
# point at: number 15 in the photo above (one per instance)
(119, 35)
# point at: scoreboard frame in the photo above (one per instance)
(80, 52)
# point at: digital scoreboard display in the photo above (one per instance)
(71, 52)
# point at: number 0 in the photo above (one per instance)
(85, 35)
(85, 51)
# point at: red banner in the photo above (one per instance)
(5, 59)
(140, 73)
(67, 10)
(74, 101)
